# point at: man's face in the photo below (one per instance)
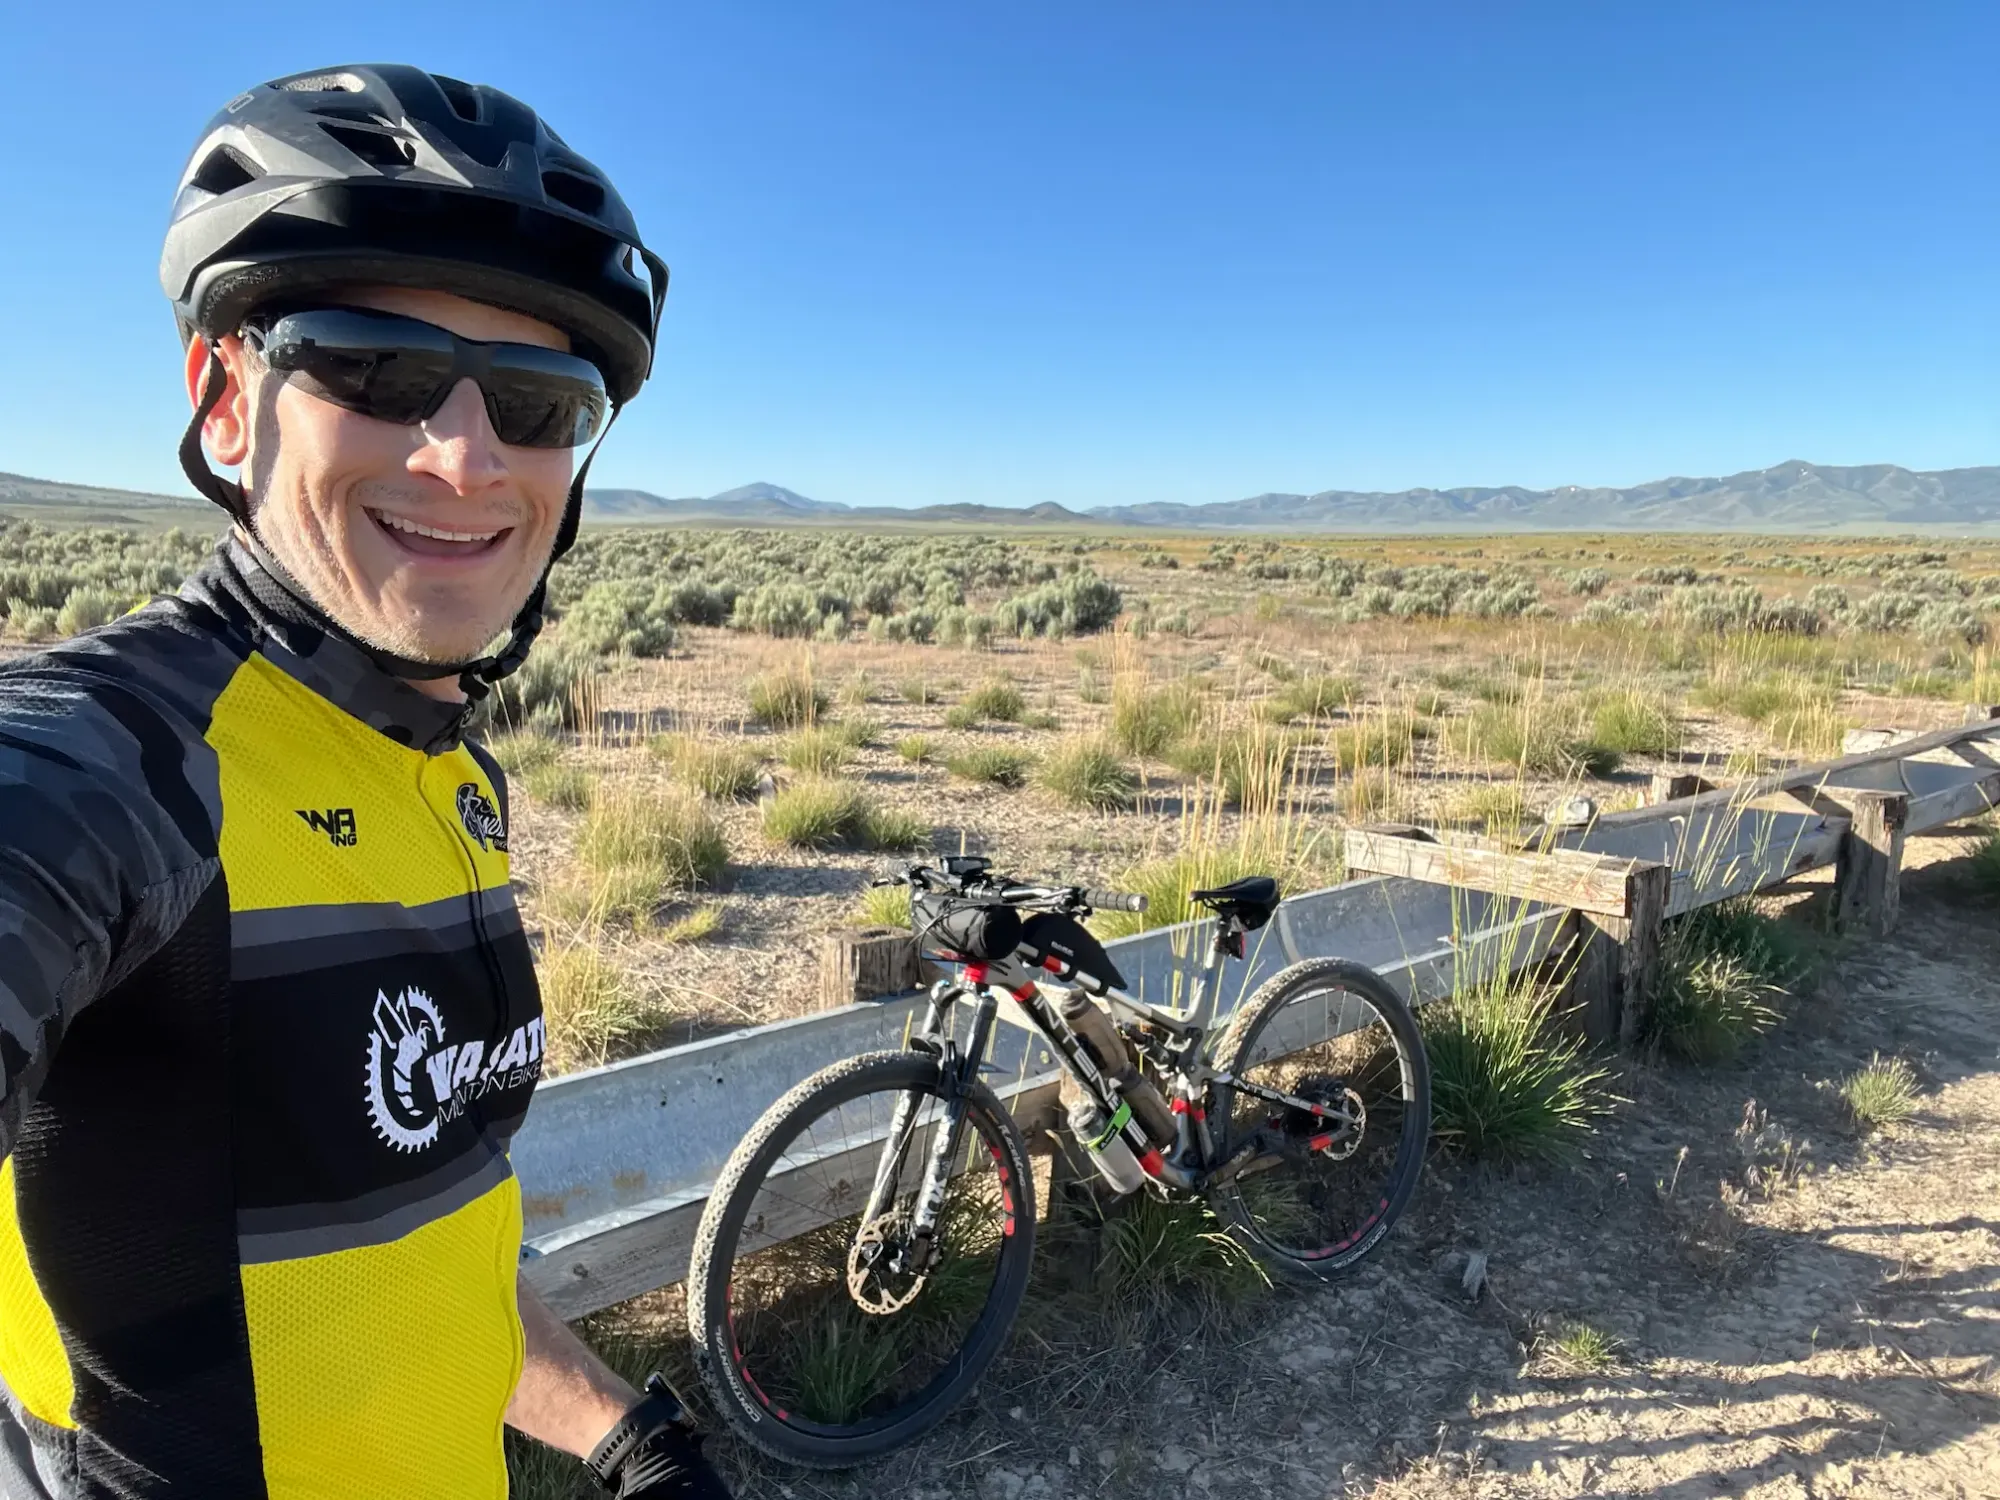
(422, 540)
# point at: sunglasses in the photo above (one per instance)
(402, 370)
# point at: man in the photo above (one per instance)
(267, 1015)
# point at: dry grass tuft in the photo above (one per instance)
(592, 1010)
(1087, 772)
(716, 768)
(787, 698)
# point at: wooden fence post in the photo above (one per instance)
(1638, 937)
(1867, 879)
(860, 963)
(1671, 786)
(1613, 963)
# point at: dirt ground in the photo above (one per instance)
(1796, 1310)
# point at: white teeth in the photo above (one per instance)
(416, 529)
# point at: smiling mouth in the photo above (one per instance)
(437, 541)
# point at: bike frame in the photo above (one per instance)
(1192, 1163)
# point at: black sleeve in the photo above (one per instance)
(97, 869)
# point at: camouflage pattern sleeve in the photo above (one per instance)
(107, 838)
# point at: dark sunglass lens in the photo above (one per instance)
(541, 399)
(379, 365)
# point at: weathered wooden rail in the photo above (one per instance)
(615, 1162)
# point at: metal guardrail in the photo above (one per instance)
(615, 1162)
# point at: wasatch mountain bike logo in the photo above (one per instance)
(417, 1079)
(480, 820)
(407, 1031)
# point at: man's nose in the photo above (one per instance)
(460, 446)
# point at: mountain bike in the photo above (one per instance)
(864, 1253)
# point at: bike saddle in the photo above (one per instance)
(1251, 900)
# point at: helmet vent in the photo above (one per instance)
(372, 146)
(323, 83)
(462, 97)
(579, 193)
(224, 170)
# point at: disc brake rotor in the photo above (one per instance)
(878, 1278)
(1336, 1140)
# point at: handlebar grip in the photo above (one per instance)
(1114, 901)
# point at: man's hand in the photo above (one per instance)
(669, 1465)
(653, 1453)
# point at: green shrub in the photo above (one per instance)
(1087, 772)
(919, 690)
(787, 698)
(669, 839)
(1251, 766)
(1984, 866)
(894, 828)
(555, 686)
(592, 1010)
(1882, 1093)
(1540, 737)
(824, 814)
(1310, 696)
(996, 765)
(86, 608)
(917, 749)
(1145, 721)
(1169, 1253)
(1505, 1082)
(717, 768)
(1386, 741)
(1630, 722)
(556, 785)
(1722, 967)
(618, 618)
(858, 732)
(817, 752)
(518, 750)
(995, 699)
(885, 906)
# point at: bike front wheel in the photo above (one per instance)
(826, 1340)
(1314, 1192)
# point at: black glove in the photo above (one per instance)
(654, 1453)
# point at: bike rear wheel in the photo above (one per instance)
(1316, 1195)
(821, 1338)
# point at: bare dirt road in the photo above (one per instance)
(1794, 1309)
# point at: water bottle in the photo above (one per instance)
(1103, 1137)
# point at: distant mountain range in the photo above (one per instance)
(1794, 496)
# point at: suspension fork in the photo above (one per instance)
(956, 1072)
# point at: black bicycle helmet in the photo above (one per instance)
(382, 173)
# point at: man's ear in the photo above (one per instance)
(227, 426)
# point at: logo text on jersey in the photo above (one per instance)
(418, 1079)
(337, 823)
(480, 820)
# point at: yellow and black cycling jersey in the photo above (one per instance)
(267, 1023)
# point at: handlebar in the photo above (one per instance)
(1114, 900)
(978, 884)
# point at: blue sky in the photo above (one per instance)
(1132, 251)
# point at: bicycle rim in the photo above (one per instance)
(836, 1348)
(1319, 1195)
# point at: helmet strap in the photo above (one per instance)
(194, 463)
